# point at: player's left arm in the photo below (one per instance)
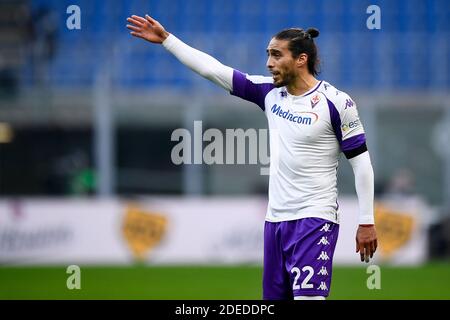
(366, 235)
(354, 146)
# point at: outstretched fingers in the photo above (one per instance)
(150, 19)
(136, 34)
(134, 28)
(135, 22)
(140, 19)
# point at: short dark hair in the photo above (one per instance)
(301, 41)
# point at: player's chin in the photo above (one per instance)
(278, 83)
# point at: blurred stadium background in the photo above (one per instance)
(86, 177)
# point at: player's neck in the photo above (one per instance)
(302, 84)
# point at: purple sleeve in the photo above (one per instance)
(355, 143)
(249, 90)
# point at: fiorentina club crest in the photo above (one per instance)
(315, 100)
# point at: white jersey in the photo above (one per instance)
(307, 135)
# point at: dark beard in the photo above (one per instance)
(280, 84)
(289, 78)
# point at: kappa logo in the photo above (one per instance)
(315, 99)
(323, 256)
(326, 227)
(323, 271)
(323, 241)
(323, 286)
(348, 104)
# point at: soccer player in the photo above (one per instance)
(310, 124)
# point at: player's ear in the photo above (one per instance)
(302, 59)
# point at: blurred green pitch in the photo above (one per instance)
(431, 281)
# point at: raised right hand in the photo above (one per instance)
(148, 29)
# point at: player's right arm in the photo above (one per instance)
(151, 30)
